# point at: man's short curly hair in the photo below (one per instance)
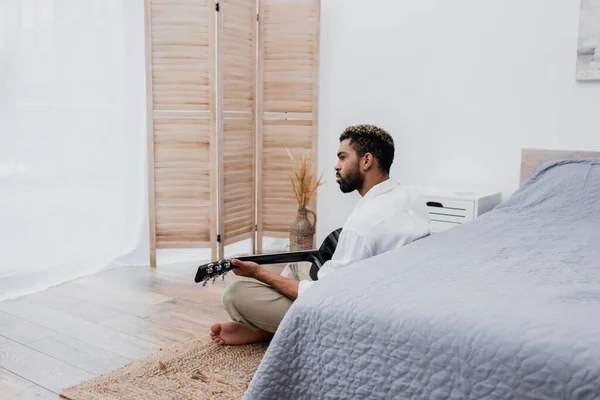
(371, 139)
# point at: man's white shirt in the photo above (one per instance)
(390, 215)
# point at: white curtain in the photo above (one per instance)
(73, 144)
(73, 180)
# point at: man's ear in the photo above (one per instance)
(367, 161)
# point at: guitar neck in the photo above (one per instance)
(316, 256)
(288, 257)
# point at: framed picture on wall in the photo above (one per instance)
(588, 46)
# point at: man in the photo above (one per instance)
(388, 216)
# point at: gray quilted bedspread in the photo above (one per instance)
(504, 307)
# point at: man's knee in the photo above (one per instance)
(255, 304)
(232, 293)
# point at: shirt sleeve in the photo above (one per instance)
(352, 247)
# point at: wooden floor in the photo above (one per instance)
(57, 338)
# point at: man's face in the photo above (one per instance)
(348, 173)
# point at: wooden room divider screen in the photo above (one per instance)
(230, 85)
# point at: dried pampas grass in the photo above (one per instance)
(302, 180)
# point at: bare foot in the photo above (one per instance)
(234, 333)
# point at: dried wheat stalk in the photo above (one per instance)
(302, 180)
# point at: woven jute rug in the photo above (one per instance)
(193, 369)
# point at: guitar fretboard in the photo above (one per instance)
(278, 258)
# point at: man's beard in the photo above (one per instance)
(354, 181)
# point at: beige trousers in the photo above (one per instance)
(256, 304)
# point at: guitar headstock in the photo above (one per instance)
(213, 270)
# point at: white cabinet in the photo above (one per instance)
(449, 208)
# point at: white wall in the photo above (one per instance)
(461, 85)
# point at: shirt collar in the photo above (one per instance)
(380, 188)
(377, 190)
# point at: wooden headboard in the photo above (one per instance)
(531, 159)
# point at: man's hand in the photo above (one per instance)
(248, 269)
(287, 287)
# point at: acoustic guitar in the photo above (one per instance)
(317, 257)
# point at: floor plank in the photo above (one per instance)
(184, 322)
(134, 291)
(37, 367)
(79, 354)
(63, 301)
(122, 304)
(15, 387)
(22, 331)
(188, 315)
(146, 329)
(85, 331)
(210, 306)
(167, 285)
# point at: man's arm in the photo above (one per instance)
(352, 247)
(286, 286)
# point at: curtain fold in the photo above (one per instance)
(73, 180)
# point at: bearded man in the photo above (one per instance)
(389, 215)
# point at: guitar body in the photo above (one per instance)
(317, 257)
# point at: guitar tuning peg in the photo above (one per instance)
(204, 283)
(214, 279)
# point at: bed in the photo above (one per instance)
(506, 306)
